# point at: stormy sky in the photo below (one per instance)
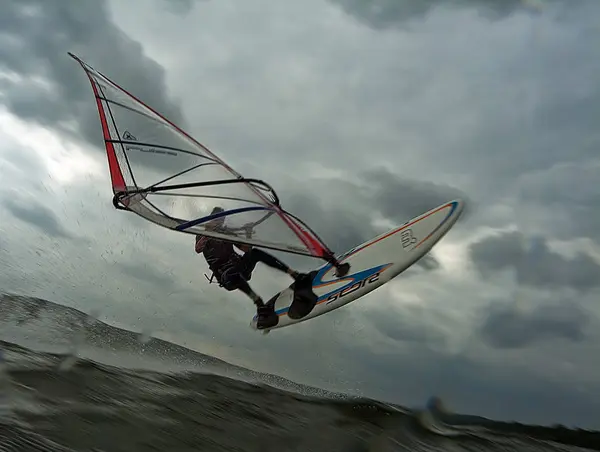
(362, 115)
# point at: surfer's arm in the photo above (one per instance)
(223, 230)
(200, 242)
(243, 247)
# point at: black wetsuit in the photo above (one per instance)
(220, 256)
(232, 270)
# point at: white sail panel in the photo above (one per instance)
(161, 173)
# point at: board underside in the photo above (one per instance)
(372, 264)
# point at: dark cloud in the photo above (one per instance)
(343, 212)
(509, 327)
(341, 228)
(535, 264)
(498, 252)
(50, 88)
(381, 14)
(37, 215)
(400, 199)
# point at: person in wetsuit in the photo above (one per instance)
(233, 271)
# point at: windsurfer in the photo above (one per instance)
(233, 271)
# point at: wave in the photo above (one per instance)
(55, 398)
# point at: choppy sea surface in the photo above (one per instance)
(57, 399)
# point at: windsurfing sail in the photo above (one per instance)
(161, 173)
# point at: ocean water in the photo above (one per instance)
(76, 397)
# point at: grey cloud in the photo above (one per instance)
(145, 271)
(564, 198)
(381, 14)
(25, 162)
(534, 262)
(545, 119)
(428, 262)
(37, 215)
(548, 106)
(44, 31)
(508, 327)
(405, 325)
(180, 6)
(472, 387)
(23, 171)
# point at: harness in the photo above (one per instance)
(210, 280)
(226, 264)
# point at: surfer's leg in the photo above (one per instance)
(252, 257)
(245, 288)
(237, 276)
(233, 279)
(265, 313)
